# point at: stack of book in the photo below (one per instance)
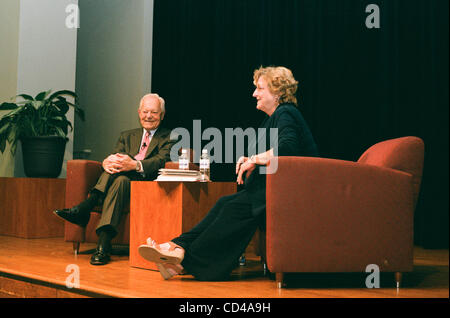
(178, 175)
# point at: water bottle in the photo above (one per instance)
(242, 260)
(183, 161)
(204, 166)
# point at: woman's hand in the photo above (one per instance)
(240, 161)
(246, 165)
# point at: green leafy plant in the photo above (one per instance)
(43, 115)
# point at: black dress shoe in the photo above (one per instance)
(100, 257)
(74, 215)
(104, 248)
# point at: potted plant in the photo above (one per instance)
(40, 123)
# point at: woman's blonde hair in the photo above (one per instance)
(281, 82)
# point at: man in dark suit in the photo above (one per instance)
(138, 155)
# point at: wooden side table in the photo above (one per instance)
(26, 206)
(164, 210)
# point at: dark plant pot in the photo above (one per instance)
(43, 156)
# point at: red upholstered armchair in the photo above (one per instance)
(81, 177)
(326, 215)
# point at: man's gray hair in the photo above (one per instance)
(162, 102)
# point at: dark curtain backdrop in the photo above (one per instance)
(358, 86)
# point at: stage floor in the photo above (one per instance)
(41, 268)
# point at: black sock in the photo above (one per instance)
(104, 240)
(87, 205)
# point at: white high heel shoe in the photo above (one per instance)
(168, 271)
(160, 253)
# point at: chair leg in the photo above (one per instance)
(76, 247)
(398, 279)
(280, 280)
(263, 261)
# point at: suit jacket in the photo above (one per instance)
(158, 152)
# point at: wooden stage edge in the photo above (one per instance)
(42, 268)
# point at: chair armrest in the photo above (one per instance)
(82, 175)
(336, 215)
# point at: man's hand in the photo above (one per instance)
(111, 164)
(119, 163)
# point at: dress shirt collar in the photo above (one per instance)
(152, 132)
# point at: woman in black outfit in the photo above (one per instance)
(210, 250)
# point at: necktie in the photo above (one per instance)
(144, 147)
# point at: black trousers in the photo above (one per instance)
(213, 246)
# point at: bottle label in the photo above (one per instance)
(204, 164)
(183, 164)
